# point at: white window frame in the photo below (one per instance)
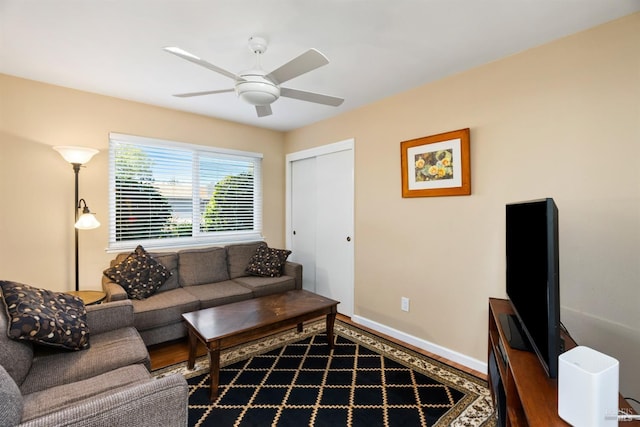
(198, 238)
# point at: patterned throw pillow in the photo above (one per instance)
(267, 262)
(139, 274)
(50, 318)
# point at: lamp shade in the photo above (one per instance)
(76, 155)
(87, 221)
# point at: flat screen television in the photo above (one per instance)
(532, 280)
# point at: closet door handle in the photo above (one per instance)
(348, 238)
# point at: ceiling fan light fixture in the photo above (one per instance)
(257, 90)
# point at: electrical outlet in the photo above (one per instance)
(404, 304)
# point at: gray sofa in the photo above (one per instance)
(200, 278)
(108, 384)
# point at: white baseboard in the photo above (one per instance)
(448, 354)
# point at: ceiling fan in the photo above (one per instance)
(259, 88)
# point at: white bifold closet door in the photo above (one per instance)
(321, 224)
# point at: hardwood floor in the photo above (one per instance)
(170, 353)
(167, 354)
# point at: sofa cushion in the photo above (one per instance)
(15, 356)
(219, 293)
(10, 400)
(267, 262)
(163, 309)
(170, 262)
(54, 399)
(238, 257)
(261, 286)
(109, 351)
(139, 274)
(198, 266)
(45, 317)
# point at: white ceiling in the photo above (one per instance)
(376, 48)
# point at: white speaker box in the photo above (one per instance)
(588, 388)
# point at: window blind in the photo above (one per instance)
(169, 194)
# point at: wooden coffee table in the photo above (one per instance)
(225, 326)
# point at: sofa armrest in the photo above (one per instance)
(109, 316)
(158, 402)
(294, 269)
(114, 291)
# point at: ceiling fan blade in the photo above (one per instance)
(263, 110)
(310, 60)
(207, 92)
(311, 97)
(192, 58)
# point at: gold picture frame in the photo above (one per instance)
(436, 165)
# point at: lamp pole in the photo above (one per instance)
(78, 156)
(76, 171)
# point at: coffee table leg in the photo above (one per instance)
(214, 372)
(331, 319)
(300, 327)
(193, 344)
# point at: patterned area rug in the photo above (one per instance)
(293, 379)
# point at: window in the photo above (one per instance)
(168, 194)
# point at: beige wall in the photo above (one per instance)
(37, 185)
(561, 121)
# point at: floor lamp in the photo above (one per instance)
(78, 156)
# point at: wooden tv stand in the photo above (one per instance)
(531, 396)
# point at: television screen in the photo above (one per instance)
(533, 276)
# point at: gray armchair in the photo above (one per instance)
(106, 385)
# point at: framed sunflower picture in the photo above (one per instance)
(436, 165)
